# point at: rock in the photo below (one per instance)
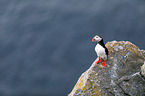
(121, 76)
(143, 70)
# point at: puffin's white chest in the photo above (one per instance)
(100, 51)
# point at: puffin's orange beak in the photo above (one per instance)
(93, 40)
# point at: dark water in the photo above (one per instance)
(46, 44)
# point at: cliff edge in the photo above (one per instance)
(124, 74)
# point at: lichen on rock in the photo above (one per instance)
(121, 76)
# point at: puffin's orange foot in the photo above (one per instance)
(104, 64)
(98, 60)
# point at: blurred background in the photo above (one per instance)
(45, 45)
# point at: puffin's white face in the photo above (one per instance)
(97, 38)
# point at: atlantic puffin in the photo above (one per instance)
(100, 49)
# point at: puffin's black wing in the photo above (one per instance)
(103, 45)
(106, 50)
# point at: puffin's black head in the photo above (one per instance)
(97, 38)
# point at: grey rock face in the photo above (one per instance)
(121, 77)
(143, 70)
